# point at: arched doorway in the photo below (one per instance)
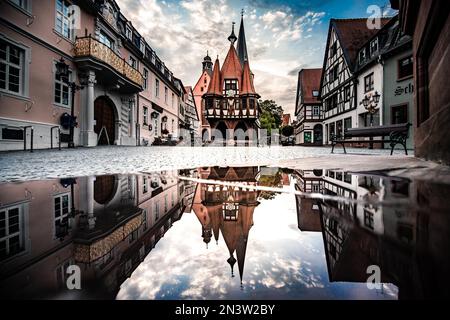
(205, 135)
(318, 134)
(220, 132)
(105, 120)
(240, 133)
(104, 189)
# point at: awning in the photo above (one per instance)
(157, 108)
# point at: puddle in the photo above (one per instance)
(225, 233)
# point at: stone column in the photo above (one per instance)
(89, 136)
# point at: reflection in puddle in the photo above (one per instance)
(225, 233)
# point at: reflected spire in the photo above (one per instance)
(231, 261)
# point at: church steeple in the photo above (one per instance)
(242, 44)
(207, 63)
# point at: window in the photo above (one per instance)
(129, 33)
(145, 78)
(252, 104)
(405, 68)
(24, 4)
(144, 184)
(145, 116)
(173, 99)
(201, 89)
(333, 49)
(334, 73)
(347, 123)
(63, 19)
(62, 91)
(12, 134)
(347, 178)
(368, 83)
(368, 219)
(166, 202)
(362, 56)
(156, 210)
(133, 236)
(144, 219)
(231, 87)
(61, 211)
(230, 211)
(315, 93)
(399, 114)
(373, 47)
(157, 88)
(173, 126)
(347, 93)
(142, 45)
(339, 128)
(166, 92)
(11, 239)
(316, 111)
(106, 40)
(11, 68)
(133, 62)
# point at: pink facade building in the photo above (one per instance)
(127, 96)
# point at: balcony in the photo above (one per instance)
(91, 53)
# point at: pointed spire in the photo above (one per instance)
(242, 44)
(214, 85)
(232, 38)
(231, 68)
(247, 80)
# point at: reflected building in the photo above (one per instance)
(106, 225)
(396, 237)
(227, 209)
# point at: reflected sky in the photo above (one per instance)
(281, 263)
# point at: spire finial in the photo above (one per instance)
(242, 12)
(232, 38)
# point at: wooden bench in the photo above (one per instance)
(397, 134)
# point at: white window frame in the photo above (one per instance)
(316, 111)
(62, 84)
(23, 5)
(62, 215)
(166, 95)
(64, 19)
(145, 73)
(128, 32)
(19, 233)
(23, 68)
(372, 45)
(145, 115)
(144, 184)
(156, 210)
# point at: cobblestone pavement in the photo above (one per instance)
(42, 164)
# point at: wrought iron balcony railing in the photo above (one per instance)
(90, 47)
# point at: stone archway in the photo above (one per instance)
(105, 120)
(219, 134)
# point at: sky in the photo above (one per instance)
(282, 36)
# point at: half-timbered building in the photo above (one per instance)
(231, 102)
(308, 108)
(339, 81)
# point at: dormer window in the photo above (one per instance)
(231, 87)
(315, 93)
(129, 33)
(373, 47)
(362, 56)
(142, 45)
